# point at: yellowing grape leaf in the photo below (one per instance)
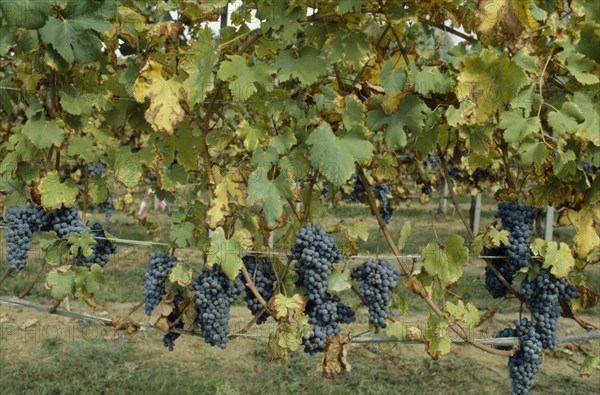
(270, 193)
(586, 238)
(446, 262)
(228, 187)
(437, 339)
(467, 314)
(559, 259)
(55, 193)
(489, 81)
(61, 282)
(199, 65)
(286, 307)
(517, 128)
(164, 112)
(228, 252)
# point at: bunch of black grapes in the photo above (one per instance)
(543, 295)
(315, 253)
(523, 366)
(214, 295)
(169, 338)
(518, 221)
(159, 266)
(378, 279)
(261, 271)
(382, 193)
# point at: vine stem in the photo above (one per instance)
(252, 286)
(5, 274)
(309, 199)
(35, 279)
(435, 308)
(454, 200)
(85, 193)
(248, 325)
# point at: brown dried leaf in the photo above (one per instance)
(335, 359)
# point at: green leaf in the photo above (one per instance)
(446, 263)
(559, 259)
(251, 134)
(590, 363)
(83, 146)
(74, 103)
(429, 79)
(72, 38)
(88, 282)
(582, 69)
(489, 81)
(243, 78)
(533, 152)
(199, 67)
(43, 134)
(182, 274)
(467, 314)
(437, 339)
(128, 169)
(393, 79)
(517, 128)
(410, 116)
(54, 193)
(307, 66)
(352, 113)
(336, 156)
(227, 252)
(566, 121)
(395, 329)
(404, 234)
(498, 237)
(55, 248)
(269, 193)
(30, 14)
(82, 243)
(61, 282)
(182, 234)
(339, 281)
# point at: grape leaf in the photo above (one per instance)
(30, 14)
(489, 81)
(395, 329)
(55, 193)
(243, 77)
(182, 234)
(336, 156)
(55, 248)
(339, 281)
(182, 273)
(164, 112)
(590, 363)
(404, 234)
(559, 259)
(74, 103)
(517, 128)
(393, 79)
(446, 263)
(228, 187)
(199, 66)
(566, 121)
(307, 66)
(533, 152)
(586, 237)
(437, 339)
(467, 314)
(582, 69)
(227, 252)
(261, 189)
(411, 115)
(90, 281)
(61, 282)
(72, 38)
(82, 243)
(286, 307)
(429, 79)
(251, 134)
(43, 134)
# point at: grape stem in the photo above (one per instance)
(5, 274)
(35, 279)
(250, 284)
(455, 328)
(567, 312)
(248, 325)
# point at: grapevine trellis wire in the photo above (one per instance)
(500, 341)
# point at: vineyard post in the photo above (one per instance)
(476, 212)
(443, 207)
(549, 224)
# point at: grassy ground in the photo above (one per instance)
(94, 360)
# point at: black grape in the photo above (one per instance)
(96, 169)
(22, 223)
(452, 172)
(159, 266)
(325, 189)
(169, 338)
(359, 188)
(382, 192)
(261, 271)
(324, 319)
(65, 221)
(517, 220)
(101, 251)
(542, 296)
(432, 160)
(523, 366)
(108, 208)
(215, 294)
(315, 252)
(378, 279)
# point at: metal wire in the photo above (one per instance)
(501, 341)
